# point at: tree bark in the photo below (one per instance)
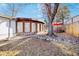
(13, 7)
(50, 27)
(9, 25)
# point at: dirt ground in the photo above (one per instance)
(32, 46)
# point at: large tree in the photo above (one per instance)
(62, 13)
(50, 11)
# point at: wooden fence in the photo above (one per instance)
(73, 28)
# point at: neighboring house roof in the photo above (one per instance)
(29, 19)
(8, 17)
(72, 20)
(75, 18)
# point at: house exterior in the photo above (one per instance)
(28, 25)
(18, 25)
(57, 26)
(4, 24)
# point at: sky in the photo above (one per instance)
(73, 8)
(28, 11)
(34, 10)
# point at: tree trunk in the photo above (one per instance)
(63, 21)
(50, 27)
(13, 7)
(9, 25)
(63, 26)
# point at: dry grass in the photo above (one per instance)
(36, 47)
(9, 53)
(67, 49)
